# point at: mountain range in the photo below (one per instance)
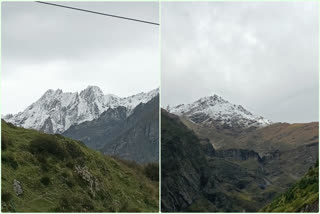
(124, 127)
(56, 110)
(219, 157)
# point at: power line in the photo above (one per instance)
(104, 14)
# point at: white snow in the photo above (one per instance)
(66, 109)
(221, 111)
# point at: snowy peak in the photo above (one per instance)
(91, 92)
(132, 101)
(56, 110)
(215, 110)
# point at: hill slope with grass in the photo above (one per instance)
(302, 197)
(51, 173)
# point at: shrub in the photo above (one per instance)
(59, 136)
(6, 196)
(151, 170)
(70, 183)
(47, 144)
(70, 164)
(45, 180)
(5, 141)
(74, 150)
(9, 160)
(75, 204)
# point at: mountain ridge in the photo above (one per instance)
(56, 110)
(134, 137)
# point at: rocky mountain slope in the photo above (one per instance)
(214, 109)
(200, 175)
(134, 137)
(51, 173)
(56, 110)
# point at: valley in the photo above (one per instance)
(230, 160)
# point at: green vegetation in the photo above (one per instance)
(302, 197)
(58, 174)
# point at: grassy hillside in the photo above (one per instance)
(302, 197)
(47, 173)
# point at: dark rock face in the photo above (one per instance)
(183, 165)
(195, 179)
(47, 126)
(238, 154)
(198, 178)
(135, 137)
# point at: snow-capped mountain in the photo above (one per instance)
(215, 110)
(56, 110)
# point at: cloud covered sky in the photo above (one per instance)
(262, 55)
(46, 47)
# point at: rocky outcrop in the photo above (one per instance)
(90, 179)
(17, 188)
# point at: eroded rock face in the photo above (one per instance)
(83, 172)
(17, 188)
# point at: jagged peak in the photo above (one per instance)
(77, 107)
(92, 90)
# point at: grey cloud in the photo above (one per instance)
(48, 47)
(263, 55)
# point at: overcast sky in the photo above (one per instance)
(262, 55)
(46, 47)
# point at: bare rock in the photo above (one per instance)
(17, 187)
(92, 181)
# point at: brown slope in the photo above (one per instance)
(278, 136)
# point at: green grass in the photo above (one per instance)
(303, 194)
(45, 166)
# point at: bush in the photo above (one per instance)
(45, 180)
(151, 170)
(9, 160)
(70, 183)
(5, 142)
(6, 196)
(74, 150)
(47, 144)
(75, 204)
(70, 164)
